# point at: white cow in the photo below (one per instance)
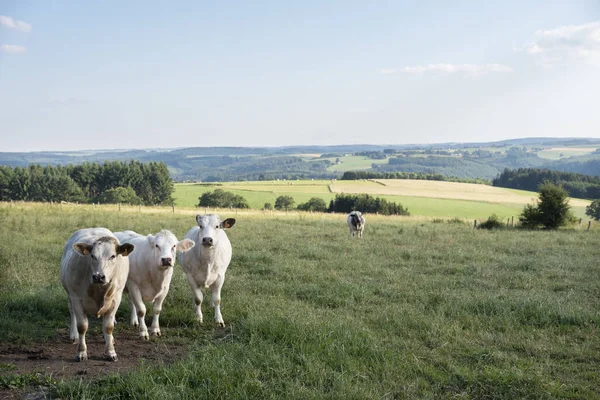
(93, 271)
(356, 223)
(150, 273)
(206, 263)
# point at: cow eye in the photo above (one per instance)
(93, 257)
(157, 246)
(217, 227)
(173, 248)
(112, 257)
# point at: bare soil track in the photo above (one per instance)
(55, 358)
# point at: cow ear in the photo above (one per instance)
(228, 223)
(185, 245)
(125, 249)
(151, 240)
(198, 217)
(82, 248)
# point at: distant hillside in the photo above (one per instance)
(484, 160)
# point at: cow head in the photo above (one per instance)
(104, 255)
(164, 246)
(209, 226)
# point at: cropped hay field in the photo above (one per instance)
(421, 197)
(416, 309)
(556, 153)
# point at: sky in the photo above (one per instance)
(150, 74)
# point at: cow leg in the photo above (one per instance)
(134, 318)
(81, 322)
(108, 326)
(136, 298)
(157, 308)
(73, 334)
(215, 300)
(198, 296)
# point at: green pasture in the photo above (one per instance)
(415, 310)
(353, 163)
(555, 154)
(259, 193)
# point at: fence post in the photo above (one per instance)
(475, 224)
(589, 225)
(508, 222)
(512, 221)
(139, 208)
(173, 206)
(580, 219)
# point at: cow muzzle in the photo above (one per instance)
(99, 278)
(207, 241)
(166, 262)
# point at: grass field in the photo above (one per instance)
(353, 163)
(422, 198)
(556, 153)
(414, 310)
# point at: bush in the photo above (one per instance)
(119, 195)
(284, 203)
(315, 204)
(268, 206)
(593, 210)
(493, 222)
(221, 199)
(552, 210)
(365, 203)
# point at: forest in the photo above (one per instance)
(576, 185)
(111, 182)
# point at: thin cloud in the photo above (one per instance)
(566, 45)
(12, 23)
(468, 69)
(12, 49)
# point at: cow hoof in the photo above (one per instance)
(220, 324)
(113, 358)
(81, 357)
(134, 324)
(156, 333)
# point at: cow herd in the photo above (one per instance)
(98, 265)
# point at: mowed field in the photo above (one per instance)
(421, 197)
(416, 309)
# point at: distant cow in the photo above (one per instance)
(356, 223)
(150, 273)
(93, 271)
(206, 263)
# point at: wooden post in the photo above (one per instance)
(139, 208)
(589, 225)
(513, 221)
(475, 224)
(119, 206)
(508, 222)
(580, 220)
(173, 206)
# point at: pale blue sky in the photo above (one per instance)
(146, 74)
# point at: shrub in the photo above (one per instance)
(119, 195)
(222, 199)
(284, 203)
(365, 203)
(268, 206)
(315, 204)
(593, 210)
(493, 222)
(552, 210)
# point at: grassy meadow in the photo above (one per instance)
(421, 197)
(417, 309)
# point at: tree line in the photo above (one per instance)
(342, 203)
(576, 185)
(112, 182)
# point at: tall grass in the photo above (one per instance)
(414, 310)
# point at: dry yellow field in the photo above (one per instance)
(441, 190)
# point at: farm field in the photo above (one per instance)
(417, 309)
(421, 197)
(353, 163)
(555, 153)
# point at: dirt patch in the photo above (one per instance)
(55, 358)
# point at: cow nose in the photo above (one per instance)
(207, 241)
(99, 278)
(166, 261)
